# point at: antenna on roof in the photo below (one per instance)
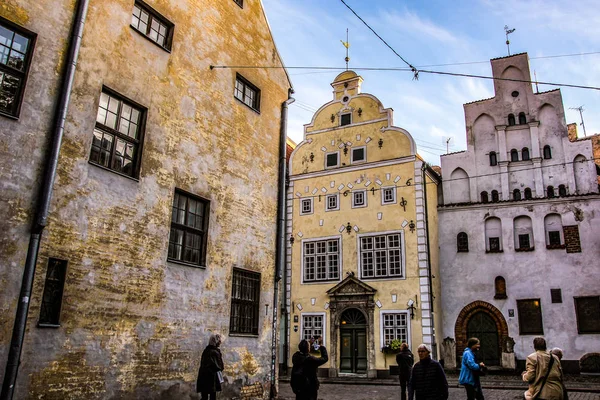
(581, 110)
(346, 45)
(508, 32)
(448, 145)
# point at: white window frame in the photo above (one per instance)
(383, 190)
(302, 200)
(402, 257)
(323, 327)
(340, 265)
(337, 153)
(352, 160)
(342, 114)
(337, 202)
(382, 328)
(364, 192)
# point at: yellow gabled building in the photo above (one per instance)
(362, 230)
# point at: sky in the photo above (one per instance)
(430, 33)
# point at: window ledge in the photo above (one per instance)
(150, 40)
(494, 251)
(113, 171)
(462, 251)
(555, 246)
(187, 264)
(9, 116)
(252, 108)
(44, 325)
(248, 335)
(522, 249)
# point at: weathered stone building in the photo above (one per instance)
(162, 222)
(519, 228)
(362, 228)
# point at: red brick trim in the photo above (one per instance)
(460, 329)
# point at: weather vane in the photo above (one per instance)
(508, 32)
(347, 46)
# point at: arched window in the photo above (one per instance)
(493, 235)
(562, 190)
(500, 287)
(523, 232)
(525, 154)
(522, 118)
(516, 194)
(550, 192)
(554, 232)
(484, 197)
(460, 187)
(495, 197)
(511, 119)
(493, 158)
(547, 152)
(527, 194)
(581, 170)
(514, 155)
(462, 243)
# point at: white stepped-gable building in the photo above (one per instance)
(519, 229)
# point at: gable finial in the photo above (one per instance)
(508, 32)
(347, 46)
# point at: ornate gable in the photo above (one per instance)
(351, 286)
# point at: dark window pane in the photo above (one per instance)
(588, 314)
(346, 119)
(523, 241)
(494, 244)
(358, 154)
(332, 159)
(53, 292)
(462, 240)
(530, 317)
(556, 295)
(186, 241)
(554, 237)
(245, 301)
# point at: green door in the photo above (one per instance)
(483, 327)
(353, 342)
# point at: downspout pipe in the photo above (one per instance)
(44, 199)
(429, 275)
(280, 244)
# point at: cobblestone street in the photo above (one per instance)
(384, 392)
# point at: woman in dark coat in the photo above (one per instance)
(208, 382)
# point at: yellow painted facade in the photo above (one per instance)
(378, 159)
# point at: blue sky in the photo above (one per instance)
(308, 33)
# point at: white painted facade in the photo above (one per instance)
(554, 161)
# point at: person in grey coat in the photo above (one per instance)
(211, 365)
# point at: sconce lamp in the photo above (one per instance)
(380, 143)
(292, 239)
(411, 307)
(312, 157)
(348, 228)
(411, 225)
(359, 112)
(345, 149)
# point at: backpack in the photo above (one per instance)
(299, 382)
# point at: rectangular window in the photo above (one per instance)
(381, 256)
(588, 314)
(346, 119)
(395, 326)
(239, 3)
(388, 195)
(53, 292)
(189, 226)
(359, 198)
(556, 295)
(332, 160)
(152, 25)
(530, 317)
(306, 206)
(313, 325)
(245, 301)
(524, 242)
(554, 238)
(358, 155)
(247, 93)
(321, 260)
(119, 134)
(332, 202)
(16, 49)
(494, 244)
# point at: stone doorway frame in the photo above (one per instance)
(351, 293)
(460, 328)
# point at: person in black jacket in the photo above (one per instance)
(309, 365)
(428, 379)
(405, 361)
(211, 365)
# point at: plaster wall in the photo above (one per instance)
(132, 324)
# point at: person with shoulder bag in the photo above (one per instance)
(544, 374)
(470, 371)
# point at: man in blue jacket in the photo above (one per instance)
(469, 371)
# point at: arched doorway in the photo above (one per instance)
(483, 327)
(353, 342)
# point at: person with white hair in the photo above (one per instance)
(428, 380)
(210, 376)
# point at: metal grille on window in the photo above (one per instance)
(312, 326)
(381, 256)
(394, 327)
(245, 299)
(53, 292)
(321, 260)
(188, 225)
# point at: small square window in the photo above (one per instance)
(345, 119)
(16, 50)
(332, 160)
(359, 198)
(388, 195)
(332, 202)
(556, 295)
(358, 155)
(152, 25)
(247, 93)
(306, 206)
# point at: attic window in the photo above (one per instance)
(346, 119)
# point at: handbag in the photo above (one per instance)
(220, 377)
